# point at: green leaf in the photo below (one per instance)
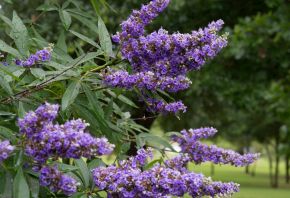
(6, 20)
(46, 8)
(33, 186)
(8, 1)
(4, 113)
(96, 7)
(86, 22)
(19, 34)
(97, 112)
(85, 173)
(93, 101)
(6, 185)
(84, 58)
(5, 85)
(7, 133)
(151, 164)
(21, 110)
(66, 167)
(96, 3)
(127, 101)
(70, 94)
(151, 139)
(65, 18)
(61, 42)
(86, 39)
(79, 195)
(104, 37)
(20, 186)
(10, 50)
(13, 75)
(38, 72)
(96, 163)
(82, 111)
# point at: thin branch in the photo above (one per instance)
(38, 87)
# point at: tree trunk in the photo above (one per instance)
(253, 173)
(277, 160)
(211, 169)
(287, 161)
(247, 169)
(270, 159)
(247, 150)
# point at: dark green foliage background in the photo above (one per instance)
(244, 92)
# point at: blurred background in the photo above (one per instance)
(244, 92)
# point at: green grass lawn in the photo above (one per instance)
(251, 187)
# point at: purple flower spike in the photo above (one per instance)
(199, 152)
(43, 55)
(155, 105)
(159, 60)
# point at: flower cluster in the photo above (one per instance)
(161, 60)
(44, 139)
(5, 150)
(155, 105)
(129, 180)
(40, 56)
(56, 181)
(199, 152)
(4, 63)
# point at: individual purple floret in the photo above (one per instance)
(155, 105)
(130, 181)
(46, 140)
(5, 150)
(56, 181)
(40, 56)
(200, 152)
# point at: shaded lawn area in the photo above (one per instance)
(251, 187)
